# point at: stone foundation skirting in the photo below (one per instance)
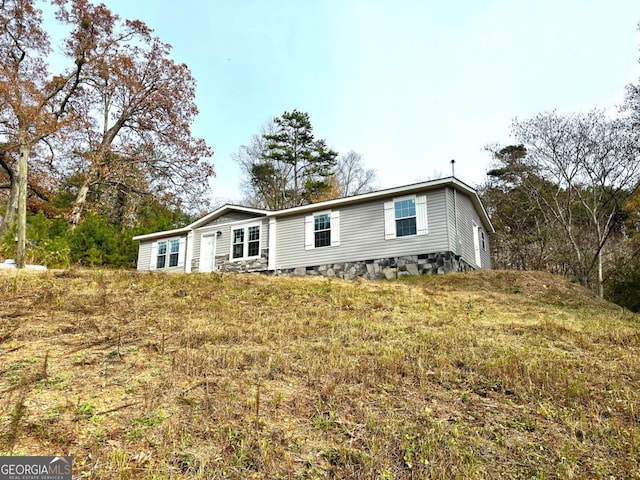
(394, 267)
(259, 264)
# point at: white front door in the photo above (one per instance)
(207, 253)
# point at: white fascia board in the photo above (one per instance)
(224, 209)
(218, 226)
(484, 216)
(390, 192)
(163, 234)
(452, 182)
(338, 202)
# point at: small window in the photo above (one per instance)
(405, 214)
(168, 253)
(405, 217)
(245, 242)
(238, 243)
(483, 242)
(322, 230)
(162, 254)
(174, 248)
(253, 246)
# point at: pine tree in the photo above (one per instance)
(292, 152)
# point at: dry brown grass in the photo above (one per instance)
(479, 375)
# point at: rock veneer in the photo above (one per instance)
(394, 267)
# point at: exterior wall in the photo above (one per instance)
(467, 215)
(144, 256)
(225, 225)
(146, 249)
(452, 226)
(360, 246)
(362, 236)
(396, 267)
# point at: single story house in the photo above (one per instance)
(436, 226)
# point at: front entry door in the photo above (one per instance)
(207, 253)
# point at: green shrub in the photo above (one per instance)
(97, 241)
(54, 253)
(46, 242)
(623, 287)
(92, 241)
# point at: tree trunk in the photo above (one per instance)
(12, 202)
(23, 162)
(123, 209)
(79, 203)
(600, 276)
(12, 206)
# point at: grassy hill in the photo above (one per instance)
(478, 375)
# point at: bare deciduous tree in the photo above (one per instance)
(34, 103)
(264, 182)
(118, 117)
(352, 177)
(137, 107)
(578, 171)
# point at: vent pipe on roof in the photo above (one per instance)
(453, 168)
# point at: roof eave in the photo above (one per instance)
(222, 210)
(389, 192)
(163, 234)
(393, 192)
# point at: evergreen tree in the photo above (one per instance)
(293, 153)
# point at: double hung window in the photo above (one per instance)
(253, 242)
(167, 253)
(245, 242)
(322, 229)
(237, 250)
(405, 217)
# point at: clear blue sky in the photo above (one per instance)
(409, 84)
